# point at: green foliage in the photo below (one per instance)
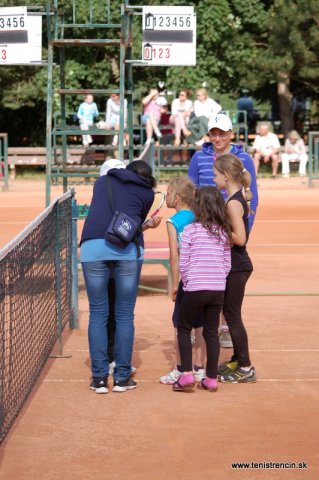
(239, 44)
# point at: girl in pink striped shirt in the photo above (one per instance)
(204, 265)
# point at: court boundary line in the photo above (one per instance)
(146, 380)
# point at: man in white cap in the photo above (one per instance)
(201, 172)
(201, 165)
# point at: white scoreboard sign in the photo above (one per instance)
(169, 35)
(20, 36)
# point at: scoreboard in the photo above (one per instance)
(169, 35)
(20, 36)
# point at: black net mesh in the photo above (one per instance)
(35, 296)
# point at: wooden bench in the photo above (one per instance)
(36, 157)
(25, 156)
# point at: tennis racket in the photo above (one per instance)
(159, 200)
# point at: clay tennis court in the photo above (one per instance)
(65, 431)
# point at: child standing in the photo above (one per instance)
(204, 265)
(181, 196)
(231, 175)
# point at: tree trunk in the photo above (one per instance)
(284, 102)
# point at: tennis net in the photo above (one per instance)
(35, 302)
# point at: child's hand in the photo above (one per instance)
(173, 294)
(154, 222)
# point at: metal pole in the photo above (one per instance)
(49, 109)
(75, 297)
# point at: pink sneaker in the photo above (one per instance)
(185, 383)
(209, 384)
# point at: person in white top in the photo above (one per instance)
(182, 107)
(204, 109)
(295, 150)
(266, 146)
(112, 115)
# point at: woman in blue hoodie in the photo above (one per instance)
(133, 194)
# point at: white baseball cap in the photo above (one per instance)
(112, 163)
(221, 121)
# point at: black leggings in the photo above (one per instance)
(234, 295)
(210, 303)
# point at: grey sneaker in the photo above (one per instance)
(225, 340)
(227, 367)
(99, 385)
(239, 376)
(124, 385)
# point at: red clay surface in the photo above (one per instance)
(67, 432)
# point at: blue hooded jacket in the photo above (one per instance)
(201, 171)
(132, 194)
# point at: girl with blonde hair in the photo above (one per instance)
(231, 175)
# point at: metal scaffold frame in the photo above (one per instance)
(57, 135)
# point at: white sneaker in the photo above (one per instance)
(225, 340)
(112, 366)
(171, 377)
(199, 374)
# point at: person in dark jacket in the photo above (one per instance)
(133, 194)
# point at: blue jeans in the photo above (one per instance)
(126, 275)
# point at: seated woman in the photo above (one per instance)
(204, 109)
(295, 150)
(112, 115)
(152, 104)
(182, 107)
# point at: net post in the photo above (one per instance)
(58, 285)
(75, 297)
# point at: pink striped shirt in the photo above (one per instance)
(204, 259)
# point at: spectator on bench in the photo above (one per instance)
(182, 108)
(204, 109)
(152, 104)
(266, 146)
(112, 116)
(295, 150)
(167, 133)
(86, 114)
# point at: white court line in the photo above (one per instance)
(284, 245)
(140, 380)
(286, 221)
(281, 254)
(15, 223)
(288, 350)
(282, 350)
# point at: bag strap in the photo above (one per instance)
(110, 195)
(109, 192)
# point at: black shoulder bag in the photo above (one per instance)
(122, 229)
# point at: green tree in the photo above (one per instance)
(288, 56)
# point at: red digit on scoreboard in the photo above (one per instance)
(3, 55)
